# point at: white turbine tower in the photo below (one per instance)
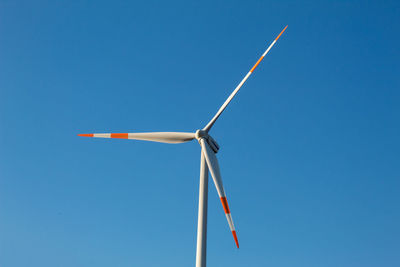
(209, 162)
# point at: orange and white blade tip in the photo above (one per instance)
(229, 218)
(86, 135)
(276, 39)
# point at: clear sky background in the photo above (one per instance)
(309, 147)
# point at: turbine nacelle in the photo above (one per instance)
(201, 134)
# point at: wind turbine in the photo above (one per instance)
(209, 162)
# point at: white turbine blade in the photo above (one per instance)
(213, 166)
(162, 137)
(222, 108)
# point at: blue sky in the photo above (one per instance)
(309, 147)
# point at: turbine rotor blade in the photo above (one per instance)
(213, 166)
(162, 137)
(222, 108)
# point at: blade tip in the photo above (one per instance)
(85, 135)
(236, 239)
(284, 29)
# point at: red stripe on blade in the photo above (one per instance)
(255, 66)
(276, 39)
(119, 135)
(236, 239)
(86, 135)
(225, 205)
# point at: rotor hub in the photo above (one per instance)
(200, 134)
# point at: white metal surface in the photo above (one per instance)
(213, 166)
(164, 137)
(201, 250)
